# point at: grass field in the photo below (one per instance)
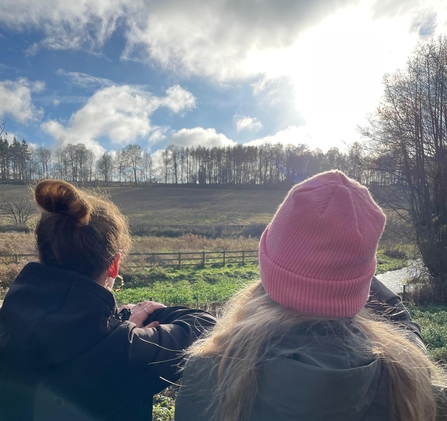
(187, 205)
(206, 208)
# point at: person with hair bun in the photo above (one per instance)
(66, 352)
(318, 337)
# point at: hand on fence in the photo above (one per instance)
(140, 311)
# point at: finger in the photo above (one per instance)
(153, 324)
(156, 303)
(150, 308)
(147, 302)
(128, 306)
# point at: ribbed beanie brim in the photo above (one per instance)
(318, 254)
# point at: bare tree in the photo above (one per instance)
(105, 166)
(147, 167)
(134, 157)
(410, 128)
(355, 162)
(43, 158)
(18, 209)
(121, 165)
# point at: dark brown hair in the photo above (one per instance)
(78, 231)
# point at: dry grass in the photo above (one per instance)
(187, 205)
(20, 243)
(14, 243)
(191, 242)
(17, 243)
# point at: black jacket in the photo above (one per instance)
(310, 376)
(66, 355)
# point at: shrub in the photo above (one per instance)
(15, 228)
(253, 230)
(428, 292)
(161, 413)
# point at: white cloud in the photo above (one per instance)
(84, 80)
(65, 24)
(178, 99)
(121, 113)
(313, 137)
(247, 123)
(158, 134)
(223, 40)
(293, 135)
(213, 39)
(56, 100)
(216, 39)
(199, 136)
(16, 99)
(10, 137)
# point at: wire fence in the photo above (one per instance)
(171, 259)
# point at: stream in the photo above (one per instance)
(395, 279)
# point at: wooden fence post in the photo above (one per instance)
(179, 259)
(203, 258)
(243, 257)
(223, 260)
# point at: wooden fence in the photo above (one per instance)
(173, 259)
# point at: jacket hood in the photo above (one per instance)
(310, 376)
(297, 390)
(44, 312)
(313, 375)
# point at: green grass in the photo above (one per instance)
(386, 263)
(189, 286)
(433, 321)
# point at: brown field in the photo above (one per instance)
(197, 207)
(187, 205)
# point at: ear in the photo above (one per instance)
(115, 266)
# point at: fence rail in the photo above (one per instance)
(173, 259)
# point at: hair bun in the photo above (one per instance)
(56, 196)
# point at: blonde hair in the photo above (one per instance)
(78, 231)
(253, 324)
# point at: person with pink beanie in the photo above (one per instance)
(318, 337)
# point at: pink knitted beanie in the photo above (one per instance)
(318, 254)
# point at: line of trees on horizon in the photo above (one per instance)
(267, 164)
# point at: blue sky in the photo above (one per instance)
(191, 72)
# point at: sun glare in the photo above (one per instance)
(337, 68)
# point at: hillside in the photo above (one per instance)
(187, 205)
